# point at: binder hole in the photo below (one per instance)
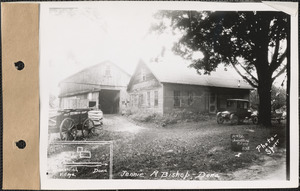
(19, 65)
(21, 144)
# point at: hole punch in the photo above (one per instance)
(19, 65)
(21, 144)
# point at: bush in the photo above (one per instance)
(184, 115)
(142, 116)
(167, 119)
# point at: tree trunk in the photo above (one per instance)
(264, 92)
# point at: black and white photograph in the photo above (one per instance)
(165, 94)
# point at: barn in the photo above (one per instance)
(165, 87)
(103, 85)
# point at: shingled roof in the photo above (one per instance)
(179, 73)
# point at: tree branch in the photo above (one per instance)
(252, 77)
(276, 51)
(243, 76)
(279, 73)
(275, 65)
(282, 57)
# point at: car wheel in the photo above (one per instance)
(255, 120)
(234, 120)
(220, 120)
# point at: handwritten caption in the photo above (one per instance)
(184, 175)
(240, 142)
(68, 172)
(269, 145)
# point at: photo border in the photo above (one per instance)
(293, 121)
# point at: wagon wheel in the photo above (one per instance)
(87, 127)
(68, 129)
(234, 120)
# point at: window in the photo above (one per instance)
(246, 105)
(190, 97)
(143, 74)
(90, 96)
(176, 98)
(136, 100)
(141, 99)
(148, 99)
(231, 103)
(132, 100)
(107, 71)
(92, 103)
(155, 98)
(242, 105)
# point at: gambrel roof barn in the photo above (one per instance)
(104, 83)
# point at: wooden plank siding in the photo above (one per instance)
(78, 101)
(93, 79)
(91, 82)
(176, 96)
(192, 98)
(197, 98)
(227, 93)
(142, 91)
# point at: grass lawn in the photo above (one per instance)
(187, 150)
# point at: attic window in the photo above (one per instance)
(143, 74)
(107, 71)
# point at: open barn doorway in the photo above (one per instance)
(109, 101)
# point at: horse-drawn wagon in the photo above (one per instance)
(77, 118)
(70, 121)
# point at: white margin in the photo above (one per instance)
(167, 184)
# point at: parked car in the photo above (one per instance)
(277, 115)
(237, 110)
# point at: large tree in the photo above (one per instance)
(254, 43)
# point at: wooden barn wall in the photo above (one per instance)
(227, 93)
(141, 88)
(124, 99)
(197, 104)
(200, 96)
(92, 79)
(78, 101)
(137, 103)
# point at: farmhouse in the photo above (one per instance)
(162, 87)
(103, 85)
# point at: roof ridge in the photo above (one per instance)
(95, 65)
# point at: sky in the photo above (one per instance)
(76, 37)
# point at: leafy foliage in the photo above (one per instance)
(278, 97)
(254, 42)
(168, 119)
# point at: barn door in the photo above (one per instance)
(212, 103)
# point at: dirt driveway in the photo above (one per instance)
(119, 123)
